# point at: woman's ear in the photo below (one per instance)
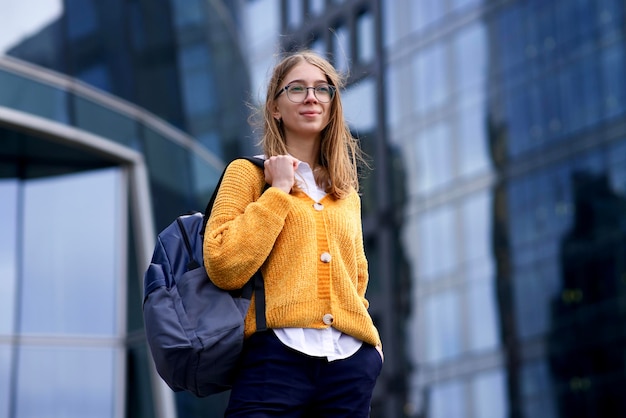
(276, 114)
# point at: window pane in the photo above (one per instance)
(470, 51)
(5, 378)
(294, 13)
(448, 401)
(316, 7)
(359, 104)
(66, 382)
(32, 97)
(443, 326)
(472, 140)
(489, 393)
(483, 316)
(437, 243)
(476, 213)
(365, 37)
(431, 67)
(434, 157)
(104, 122)
(341, 49)
(71, 263)
(8, 241)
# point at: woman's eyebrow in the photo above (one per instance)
(300, 81)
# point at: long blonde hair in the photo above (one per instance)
(340, 153)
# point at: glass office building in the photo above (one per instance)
(497, 130)
(115, 117)
(511, 120)
(494, 216)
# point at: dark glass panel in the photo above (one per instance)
(170, 178)
(31, 97)
(105, 122)
(139, 396)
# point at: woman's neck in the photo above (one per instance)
(306, 151)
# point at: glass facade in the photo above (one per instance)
(494, 216)
(180, 60)
(85, 181)
(509, 117)
(496, 130)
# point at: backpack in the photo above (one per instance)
(195, 329)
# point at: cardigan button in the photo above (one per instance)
(328, 319)
(325, 257)
(318, 206)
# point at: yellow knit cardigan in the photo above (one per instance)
(286, 235)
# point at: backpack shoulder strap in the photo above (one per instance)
(207, 211)
(255, 284)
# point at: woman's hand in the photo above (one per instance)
(379, 348)
(280, 171)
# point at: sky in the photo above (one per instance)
(20, 19)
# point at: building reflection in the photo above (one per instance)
(587, 336)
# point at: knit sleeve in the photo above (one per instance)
(243, 225)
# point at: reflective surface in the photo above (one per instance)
(511, 127)
(61, 269)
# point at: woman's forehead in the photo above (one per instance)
(306, 72)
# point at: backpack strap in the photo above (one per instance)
(192, 264)
(259, 162)
(256, 284)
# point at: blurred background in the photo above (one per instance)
(494, 216)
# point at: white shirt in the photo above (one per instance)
(327, 342)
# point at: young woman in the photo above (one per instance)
(322, 354)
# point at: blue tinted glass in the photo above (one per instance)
(72, 253)
(434, 155)
(489, 395)
(436, 232)
(431, 69)
(188, 12)
(105, 122)
(425, 12)
(8, 254)
(613, 68)
(365, 37)
(6, 364)
(483, 315)
(537, 391)
(473, 143)
(359, 104)
(443, 337)
(198, 84)
(471, 54)
(97, 76)
(81, 18)
(32, 97)
(341, 48)
(66, 382)
(294, 13)
(448, 401)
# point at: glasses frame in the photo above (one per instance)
(285, 89)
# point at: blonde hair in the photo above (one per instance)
(340, 153)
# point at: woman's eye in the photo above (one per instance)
(296, 89)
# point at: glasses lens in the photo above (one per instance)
(324, 93)
(297, 92)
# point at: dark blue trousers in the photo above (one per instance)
(276, 381)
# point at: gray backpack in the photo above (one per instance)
(193, 328)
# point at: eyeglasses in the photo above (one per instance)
(297, 93)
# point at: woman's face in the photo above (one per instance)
(305, 120)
